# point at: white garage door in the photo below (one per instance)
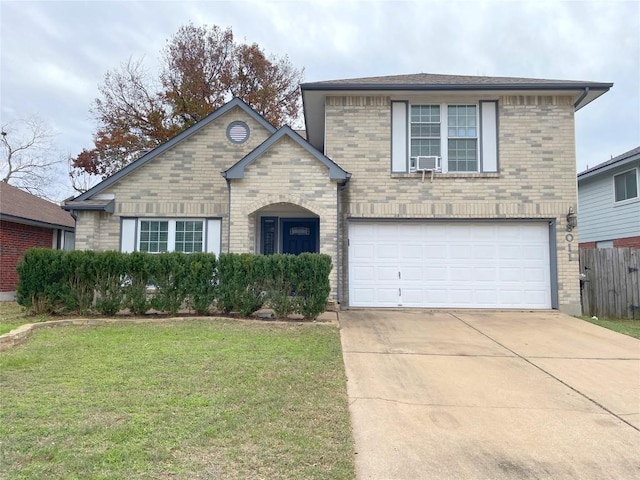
(444, 265)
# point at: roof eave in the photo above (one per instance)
(596, 171)
(236, 102)
(452, 86)
(35, 223)
(237, 170)
(108, 207)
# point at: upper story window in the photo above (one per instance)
(425, 132)
(463, 136)
(625, 185)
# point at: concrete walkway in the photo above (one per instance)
(490, 395)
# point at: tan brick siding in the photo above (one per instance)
(184, 181)
(537, 178)
(285, 174)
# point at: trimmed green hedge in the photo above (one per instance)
(54, 281)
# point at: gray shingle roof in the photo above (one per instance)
(422, 80)
(635, 152)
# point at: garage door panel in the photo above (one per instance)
(412, 296)
(485, 252)
(362, 296)
(412, 251)
(486, 298)
(510, 274)
(460, 296)
(387, 251)
(365, 252)
(433, 273)
(384, 273)
(489, 274)
(460, 252)
(535, 275)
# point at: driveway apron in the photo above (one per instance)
(490, 395)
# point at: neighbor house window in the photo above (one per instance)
(158, 236)
(425, 132)
(625, 185)
(462, 132)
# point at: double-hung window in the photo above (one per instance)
(462, 132)
(425, 132)
(463, 135)
(155, 235)
(625, 185)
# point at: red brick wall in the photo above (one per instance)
(630, 242)
(15, 239)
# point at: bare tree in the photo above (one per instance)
(28, 156)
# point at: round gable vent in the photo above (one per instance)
(238, 132)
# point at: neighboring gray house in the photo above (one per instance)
(425, 190)
(609, 203)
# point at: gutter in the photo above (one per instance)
(341, 187)
(448, 86)
(224, 174)
(580, 98)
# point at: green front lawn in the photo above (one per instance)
(13, 315)
(626, 326)
(185, 399)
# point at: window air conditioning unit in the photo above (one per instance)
(428, 164)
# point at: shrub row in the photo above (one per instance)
(54, 281)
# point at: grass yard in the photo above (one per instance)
(187, 399)
(13, 315)
(626, 326)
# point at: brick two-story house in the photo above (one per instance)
(426, 190)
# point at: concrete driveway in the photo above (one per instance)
(490, 395)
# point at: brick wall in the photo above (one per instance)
(15, 239)
(537, 178)
(285, 175)
(630, 242)
(183, 182)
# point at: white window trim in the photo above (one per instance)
(444, 136)
(626, 200)
(131, 227)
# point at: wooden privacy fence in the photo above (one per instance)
(611, 285)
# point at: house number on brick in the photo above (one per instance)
(569, 239)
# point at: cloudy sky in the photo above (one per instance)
(54, 54)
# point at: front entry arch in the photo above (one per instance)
(287, 228)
